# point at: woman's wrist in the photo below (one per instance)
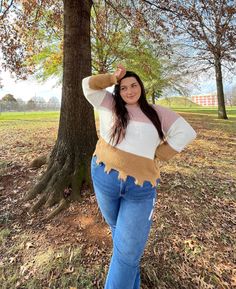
(114, 78)
(102, 81)
(120, 72)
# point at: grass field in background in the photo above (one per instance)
(177, 102)
(231, 111)
(175, 105)
(29, 115)
(185, 105)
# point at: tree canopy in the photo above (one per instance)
(9, 97)
(118, 33)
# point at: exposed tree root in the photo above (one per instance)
(62, 205)
(39, 203)
(40, 161)
(76, 184)
(41, 185)
(59, 185)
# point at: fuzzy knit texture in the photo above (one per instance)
(135, 154)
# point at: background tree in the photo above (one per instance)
(109, 37)
(31, 104)
(8, 103)
(39, 102)
(25, 27)
(208, 29)
(9, 98)
(150, 44)
(21, 104)
(231, 96)
(1, 85)
(53, 103)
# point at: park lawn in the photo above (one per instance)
(191, 244)
(29, 115)
(231, 111)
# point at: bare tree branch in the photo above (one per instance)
(117, 11)
(8, 7)
(163, 8)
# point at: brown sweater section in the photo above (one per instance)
(102, 81)
(127, 164)
(164, 152)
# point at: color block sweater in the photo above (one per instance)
(134, 155)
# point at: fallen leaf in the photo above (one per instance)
(29, 245)
(69, 270)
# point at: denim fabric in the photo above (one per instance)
(127, 208)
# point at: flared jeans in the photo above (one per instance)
(127, 208)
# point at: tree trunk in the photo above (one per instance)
(69, 163)
(153, 97)
(220, 90)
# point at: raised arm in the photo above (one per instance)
(178, 133)
(94, 87)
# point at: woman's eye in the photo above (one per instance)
(122, 88)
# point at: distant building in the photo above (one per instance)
(205, 100)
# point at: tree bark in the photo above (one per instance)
(220, 90)
(69, 163)
(153, 97)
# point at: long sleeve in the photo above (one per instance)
(94, 88)
(178, 134)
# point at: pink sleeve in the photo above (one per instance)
(107, 101)
(167, 117)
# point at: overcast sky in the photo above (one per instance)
(28, 88)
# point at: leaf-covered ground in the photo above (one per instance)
(192, 242)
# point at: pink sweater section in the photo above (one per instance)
(166, 116)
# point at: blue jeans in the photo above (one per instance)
(128, 209)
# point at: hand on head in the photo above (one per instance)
(120, 72)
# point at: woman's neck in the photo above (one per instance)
(134, 105)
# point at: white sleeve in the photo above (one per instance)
(180, 134)
(95, 97)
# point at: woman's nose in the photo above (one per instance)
(129, 90)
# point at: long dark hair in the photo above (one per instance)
(121, 114)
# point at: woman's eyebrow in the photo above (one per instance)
(130, 84)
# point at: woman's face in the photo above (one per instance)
(130, 90)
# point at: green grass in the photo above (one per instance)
(47, 268)
(4, 233)
(231, 111)
(32, 115)
(181, 105)
(177, 102)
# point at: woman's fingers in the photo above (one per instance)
(120, 71)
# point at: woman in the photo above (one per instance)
(124, 174)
